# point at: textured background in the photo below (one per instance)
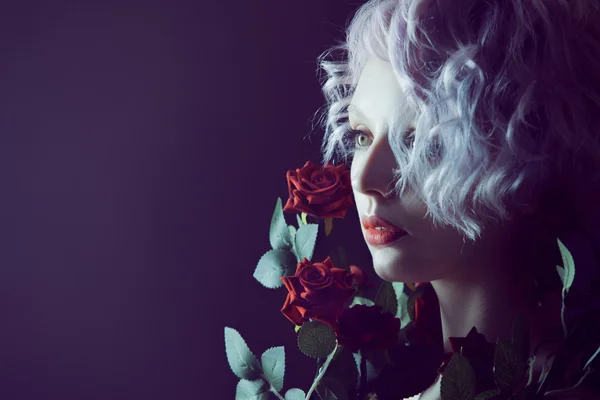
(142, 148)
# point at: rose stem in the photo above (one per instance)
(318, 378)
(363, 375)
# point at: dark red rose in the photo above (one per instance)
(361, 279)
(317, 291)
(324, 192)
(367, 327)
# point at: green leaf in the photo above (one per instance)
(509, 366)
(334, 389)
(561, 274)
(299, 220)
(306, 237)
(371, 372)
(279, 234)
(530, 362)
(458, 381)
(252, 390)
(273, 366)
(361, 300)
(316, 339)
(295, 394)
(386, 298)
(520, 337)
(567, 276)
(293, 231)
(568, 265)
(273, 265)
(592, 358)
(488, 394)
(402, 313)
(241, 360)
(402, 301)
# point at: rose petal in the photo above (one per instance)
(359, 276)
(292, 312)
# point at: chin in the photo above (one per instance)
(390, 265)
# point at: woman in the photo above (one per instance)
(473, 132)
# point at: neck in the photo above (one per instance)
(490, 307)
(487, 296)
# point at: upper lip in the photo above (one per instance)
(374, 221)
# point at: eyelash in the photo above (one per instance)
(350, 136)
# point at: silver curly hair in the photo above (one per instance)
(504, 96)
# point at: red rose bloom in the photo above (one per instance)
(361, 279)
(324, 192)
(366, 327)
(317, 291)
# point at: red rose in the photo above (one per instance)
(366, 327)
(427, 323)
(324, 192)
(361, 279)
(317, 291)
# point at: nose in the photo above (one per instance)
(372, 171)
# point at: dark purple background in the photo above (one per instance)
(143, 147)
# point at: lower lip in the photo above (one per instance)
(382, 238)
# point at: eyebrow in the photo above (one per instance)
(361, 116)
(355, 110)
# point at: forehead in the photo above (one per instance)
(376, 96)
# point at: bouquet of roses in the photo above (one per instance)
(335, 323)
(389, 347)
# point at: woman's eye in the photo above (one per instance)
(361, 139)
(356, 138)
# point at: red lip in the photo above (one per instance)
(374, 221)
(381, 237)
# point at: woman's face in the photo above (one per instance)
(425, 253)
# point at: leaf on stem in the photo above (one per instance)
(295, 394)
(568, 265)
(279, 234)
(252, 390)
(241, 360)
(386, 298)
(273, 366)
(306, 238)
(316, 339)
(458, 381)
(361, 300)
(273, 265)
(509, 366)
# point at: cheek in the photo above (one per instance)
(354, 173)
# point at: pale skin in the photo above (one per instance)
(474, 282)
